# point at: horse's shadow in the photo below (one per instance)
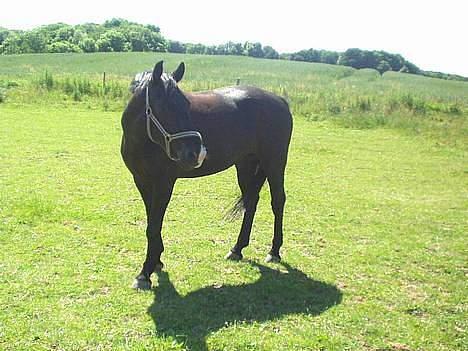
(190, 318)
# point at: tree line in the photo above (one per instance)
(118, 35)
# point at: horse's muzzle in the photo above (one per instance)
(201, 156)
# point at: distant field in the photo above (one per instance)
(352, 98)
(375, 224)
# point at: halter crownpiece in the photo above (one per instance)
(168, 138)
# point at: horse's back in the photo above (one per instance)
(272, 114)
(269, 116)
(268, 109)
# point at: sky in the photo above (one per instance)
(431, 34)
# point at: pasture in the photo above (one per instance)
(374, 257)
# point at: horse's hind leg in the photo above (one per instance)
(251, 179)
(275, 178)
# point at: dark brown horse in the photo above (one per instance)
(169, 134)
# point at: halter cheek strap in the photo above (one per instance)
(168, 138)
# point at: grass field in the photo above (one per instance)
(375, 254)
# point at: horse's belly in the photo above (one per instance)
(207, 168)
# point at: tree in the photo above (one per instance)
(104, 45)
(351, 57)
(13, 44)
(35, 41)
(310, 55)
(88, 45)
(383, 67)
(63, 46)
(153, 28)
(154, 41)
(329, 57)
(116, 40)
(4, 33)
(210, 50)
(115, 23)
(176, 46)
(78, 36)
(253, 49)
(270, 53)
(195, 49)
(64, 33)
(233, 48)
(412, 68)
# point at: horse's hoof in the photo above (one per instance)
(141, 284)
(232, 256)
(159, 267)
(272, 258)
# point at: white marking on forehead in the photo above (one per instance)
(142, 79)
(165, 77)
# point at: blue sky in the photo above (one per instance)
(431, 34)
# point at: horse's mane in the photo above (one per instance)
(140, 81)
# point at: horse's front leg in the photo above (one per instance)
(156, 203)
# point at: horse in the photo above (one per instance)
(170, 134)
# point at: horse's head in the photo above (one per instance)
(171, 126)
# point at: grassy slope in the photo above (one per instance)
(375, 239)
(212, 71)
(355, 99)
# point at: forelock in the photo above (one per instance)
(169, 83)
(143, 79)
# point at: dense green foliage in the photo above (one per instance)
(119, 35)
(375, 222)
(113, 35)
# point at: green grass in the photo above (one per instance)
(349, 97)
(375, 224)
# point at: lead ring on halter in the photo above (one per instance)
(168, 138)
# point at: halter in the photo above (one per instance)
(168, 138)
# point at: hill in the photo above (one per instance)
(350, 97)
(120, 35)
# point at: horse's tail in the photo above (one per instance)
(236, 211)
(249, 196)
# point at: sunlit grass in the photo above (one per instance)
(375, 234)
(352, 98)
(375, 222)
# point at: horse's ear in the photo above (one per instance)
(179, 72)
(157, 71)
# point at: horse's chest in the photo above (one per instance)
(141, 162)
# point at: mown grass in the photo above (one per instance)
(375, 230)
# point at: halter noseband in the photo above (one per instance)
(168, 138)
